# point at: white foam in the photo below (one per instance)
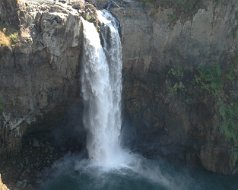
(101, 89)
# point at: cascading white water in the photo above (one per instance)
(101, 89)
(101, 81)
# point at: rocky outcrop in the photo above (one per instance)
(41, 70)
(8, 13)
(39, 80)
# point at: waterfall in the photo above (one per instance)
(101, 80)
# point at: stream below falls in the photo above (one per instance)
(72, 174)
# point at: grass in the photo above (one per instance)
(8, 39)
(4, 39)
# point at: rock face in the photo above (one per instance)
(8, 12)
(41, 70)
(39, 80)
(177, 93)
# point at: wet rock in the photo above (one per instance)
(21, 184)
(217, 159)
(36, 143)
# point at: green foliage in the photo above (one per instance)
(90, 14)
(231, 73)
(209, 83)
(229, 120)
(212, 79)
(172, 17)
(8, 34)
(176, 85)
(89, 17)
(176, 72)
(209, 78)
(14, 37)
(176, 88)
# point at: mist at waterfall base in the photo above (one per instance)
(109, 166)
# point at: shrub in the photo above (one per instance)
(4, 40)
(209, 82)
(213, 80)
(209, 78)
(229, 120)
(14, 37)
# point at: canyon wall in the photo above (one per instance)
(8, 13)
(39, 89)
(180, 79)
(39, 72)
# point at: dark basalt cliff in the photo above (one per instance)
(180, 80)
(8, 12)
(39, 86)
(41, 69)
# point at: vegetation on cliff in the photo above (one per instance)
(8, 39)
(9, 22)
(209, 83)
(4, 40)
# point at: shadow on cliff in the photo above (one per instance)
(50, 138)
(62, 128)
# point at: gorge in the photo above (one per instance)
(179, 94)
